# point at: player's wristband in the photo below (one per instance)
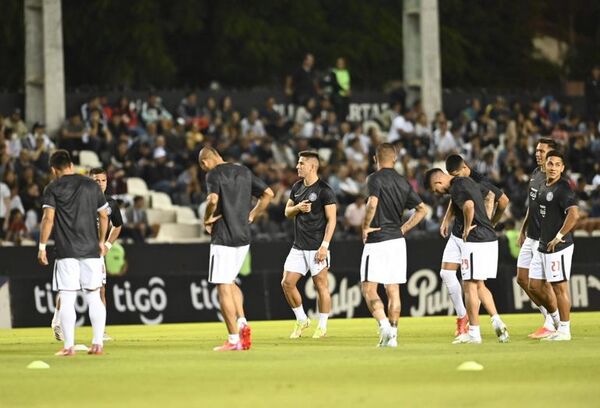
(325, 244)
(108, 245)
(559, 236)
(42, 247)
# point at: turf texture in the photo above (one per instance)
(174, 365)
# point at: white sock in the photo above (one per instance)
(454, 290)
(555, 318)
(543, 310)
(394, 331)
(97, 312)
(323, 320)
(233, 338)
(67, 317)
(549, 323)
(56, 318)
(564, 327)
(497, 321)
(300, 313)
(474, 332)
(241, 321)
(385, 323)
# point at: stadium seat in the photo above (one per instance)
(137, 186)
(596, 233)
(89, 159)
(325, 154)
(160, 200)
(185, 215)
(581, 234)
(159, 216)
(173, 232)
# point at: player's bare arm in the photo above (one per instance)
(103, 229)
(369, 215)
(448, 217)
(415, 218)
(292, 210)
(469, 214)
(331, 216)
(568, 225)
(113, 234)
(522, 233)
(500, 208)
(261, 204)
(489, 203)
(209, 216)
(45, 230)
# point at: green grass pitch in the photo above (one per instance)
(174, 365)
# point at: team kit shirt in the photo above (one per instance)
(309, 228)
(76, 200)
(485, 187)
(114, 214)
(553, 202)
(235, 185)
(395, 195)
(538, 179)
(463, 189)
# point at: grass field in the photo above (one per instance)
(173, 365)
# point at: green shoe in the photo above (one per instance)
(299, 328)
(319, 333)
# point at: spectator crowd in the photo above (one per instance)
(160, 145)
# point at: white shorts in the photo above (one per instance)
(527, 252)
(301, 261)
(452, 251)
(225, 262)
(384, 262)
(552, 267)
(479, 260)
(77, 274)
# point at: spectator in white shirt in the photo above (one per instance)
(354, 214)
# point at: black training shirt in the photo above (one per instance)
(463, 189)
(235, 185)
(553, 202)
(76, 200)
(309, 228)
(538, 179)
(395, 195)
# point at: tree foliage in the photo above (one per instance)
(167, 43)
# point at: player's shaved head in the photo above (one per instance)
(209, 158)
(208, 152)
(386, 153)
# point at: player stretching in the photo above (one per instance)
(495, 203)
(116, 221)
(557, 207)
(479, 252)
(312, 205)
(71, 203)
(228, 216)
(384, 254)
(529, 241)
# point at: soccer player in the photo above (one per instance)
(227, 219)
(70, 203)
(495, 202)
(479, 249)
(384, 254)
(115, 222)
(312, 205)
(557, 207)
(529, 241)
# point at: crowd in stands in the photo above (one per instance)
(161, 145)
